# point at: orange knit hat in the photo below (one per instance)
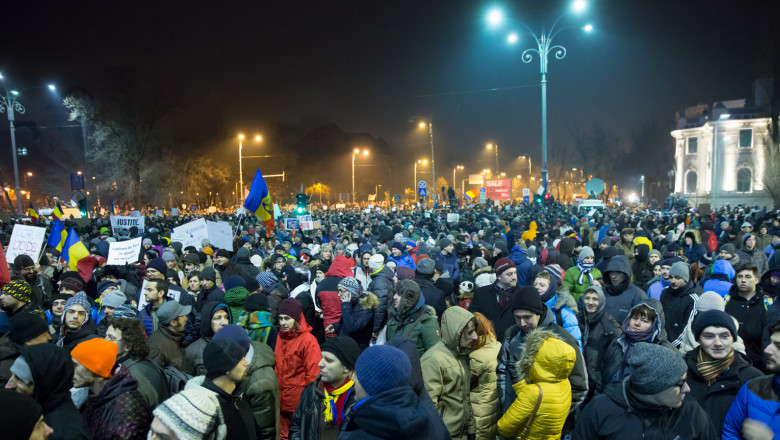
(97, 355)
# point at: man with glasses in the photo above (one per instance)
(649, 403)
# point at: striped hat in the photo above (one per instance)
(193, 414)
(18, 289)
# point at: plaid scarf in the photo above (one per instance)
(711, 368)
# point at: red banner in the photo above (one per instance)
(500, 189)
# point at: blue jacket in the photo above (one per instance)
(525, 268)
(722, 274)
(755, 401)
(450, 263)
(564, 302)
(656, 288)
(404, 260)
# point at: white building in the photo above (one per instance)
(719, 155)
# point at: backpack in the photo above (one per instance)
(711, 242)
(175, 379)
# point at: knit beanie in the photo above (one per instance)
(193, 414)
(399, 246)
(21, 369)
(502, 264)
(267, 280)
(376, 262)
(97, 355)
(19, 414)
(292, 308)
(655, 252)
(409, 291)
(729, 248)
(23, 260)
(256, 260)
(72, 283)
(103, 285)
(710, 301)
(654, 368)
(168, 256)
(680, 269)
(208, 274)
(220, 356)
(351, 285)
(444, 242)
(256, 302)
(466, 286)
(714, 318)
(123, 312)
(527, 298)
(114, 299)
(585, 252)
(381, 368)
(746, 237)
(18, 289)
(147, 241)
(234, 333)
(79, 299)
(26, 326)
(556, 273)
(233, 281)
(480, 262)
(191, 258)
(345, 349)
(411, 242)
(158, 264)
(222, 253)
(426, 266)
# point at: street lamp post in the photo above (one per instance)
(543, 48)
(529, 169)
(422, 124)
(357, 151)
(457, 167)
(489, 146)
(258, 138)
(414, 185)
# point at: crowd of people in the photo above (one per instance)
(514, 321)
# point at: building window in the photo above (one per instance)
(693, 145)
(744, 180)
(690, 182)
(746, 138)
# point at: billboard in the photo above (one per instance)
(499, 189)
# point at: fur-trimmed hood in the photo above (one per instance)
(545, 358)
(368, 301)
(565, 300)
(481, 270)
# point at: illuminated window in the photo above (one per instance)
(744, 180)
(693, 145)
(690, 182)
(746, 138)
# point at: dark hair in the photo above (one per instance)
(160, 285)
(644, 312)
(133, 335)
(774, 328)
(746, 266)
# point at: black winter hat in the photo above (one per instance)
(26, 326)
(19, 414)
(220, 356)
(714, 318)
(527, 298)
(345, 349)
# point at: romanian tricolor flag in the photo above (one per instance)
(258, 201)
(470, 194)
(113, 211)
(57, 236)
(33, 215)
(57, 212)
(73, 250)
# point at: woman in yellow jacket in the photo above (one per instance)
(545, 364)
(484, 396)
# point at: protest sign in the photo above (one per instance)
(135, 213)
(220, 234)
(25, 240)
(174, 212)
(453, 217)
(120, 225)
(124, 252)
(190, 234)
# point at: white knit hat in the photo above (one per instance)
(193, 414)
(375, 262)
(710, 301)
(256, 260)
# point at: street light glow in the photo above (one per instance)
(14, 92)
(422, 124)
(512, 38)
(241, 136)
(258, 138)
(52, 87)
(579, 5)
(588, 28)
(495, 17)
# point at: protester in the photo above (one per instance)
(22, 417)
(599, 331)
(485, 403)
(493, 300)
(412, 317)
(192, 414)
(166, 344)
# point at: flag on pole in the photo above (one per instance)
(113, 212)
(57, 212)
(5, 275)
(73, 250)
(33, 215)
(258, 201)
(57, 236)
(470, 194)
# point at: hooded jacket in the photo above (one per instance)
(679, 307)
(434, 297)
(720, 277)
(119, 411)
(621, 298)
(242, 260)
(599, 331)
(758, 400)
(512, 350)
(716, 398)
(357, 319)
(261, 389)
(194, 351)
(52, 374)
(446, 372)
(404, 260)
(566, 257)
(298, 354)
(382, 286)
(611, 416)
(756, 257)
(530, 234)
(418, 324)
(546, 362)
(328, 293)
(484, 393)
(564, 308)
(68, 339)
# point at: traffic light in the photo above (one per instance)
(538, 199)
(302, 201)
(546, 196)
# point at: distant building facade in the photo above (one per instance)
(719, 150)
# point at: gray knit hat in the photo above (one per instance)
(426, 266)
(193, 413)
(585, 252)
(480, 262)
(79, 299)
(351, 285)
(680, 269)
(654, 368)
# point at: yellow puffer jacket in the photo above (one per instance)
(484, 396)
(546, 361)
(530, 234)
(446, 373)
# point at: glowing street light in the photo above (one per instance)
(423, 123)
(457, 167)
(355, 153)
(489, 146)
(241, 138)
(422, 162)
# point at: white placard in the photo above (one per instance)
(239, 211)
(25, 240)
(124, 252)
(190, 234)
(135, 213)
(120, 225)
(158, 213)
(220, 234)
(174, 212)
(307, 226)
(453, 217)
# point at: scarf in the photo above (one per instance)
(711, 368)
(257, 325)
(503, 296)
(585, 269)
(333, 396)
(633, 337)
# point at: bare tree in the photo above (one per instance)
(772, 140)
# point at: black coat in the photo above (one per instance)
(486, 302)
(433, 296)
(382, 286)
(750, 316)
(601, 331)
(239, 419)
(306, 422)
(678, 307)
(611, 416)
(716, 399)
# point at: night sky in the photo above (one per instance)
(368, 66)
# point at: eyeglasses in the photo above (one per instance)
(112, 339)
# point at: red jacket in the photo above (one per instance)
(327, 290)
(297, 355)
